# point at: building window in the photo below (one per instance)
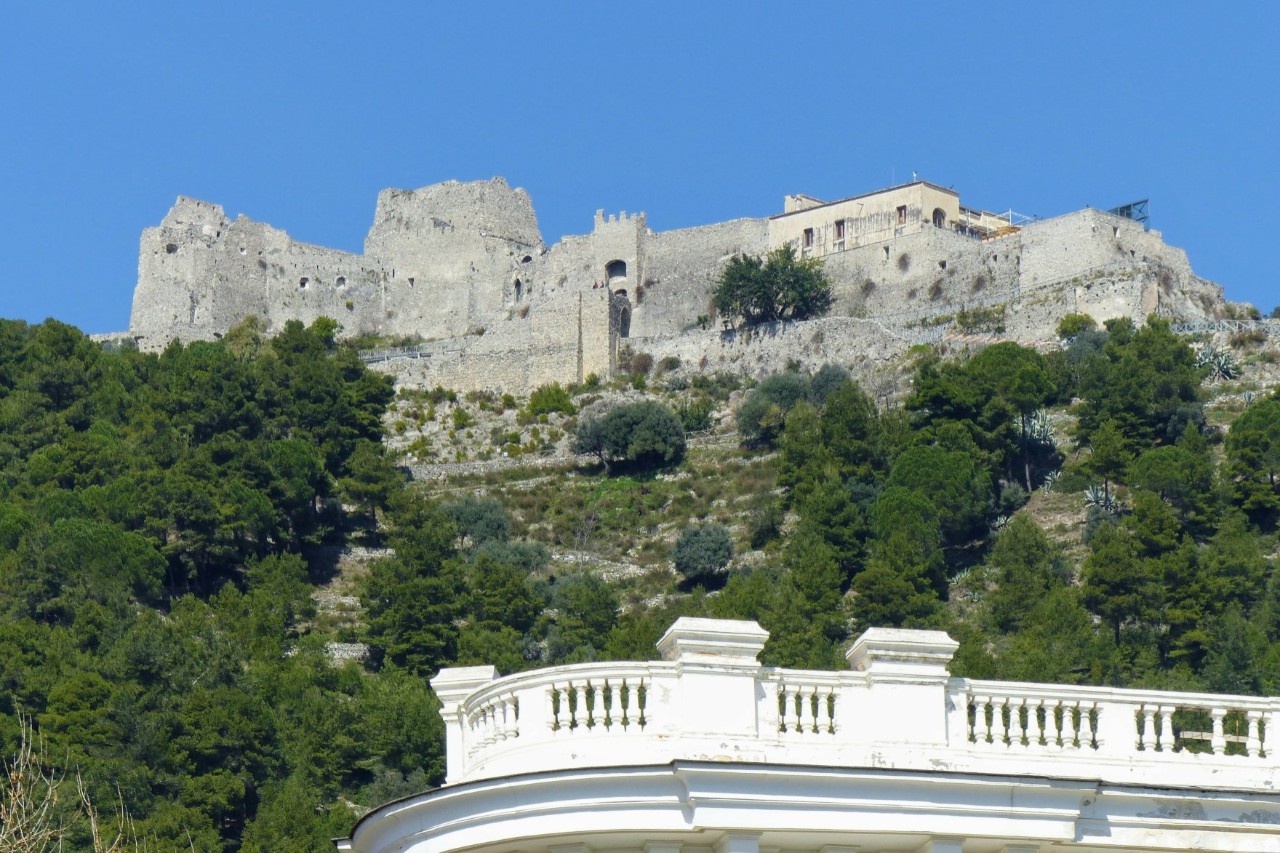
(902, 215)
(807, 242)
(839, 229)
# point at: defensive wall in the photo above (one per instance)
(463, 267)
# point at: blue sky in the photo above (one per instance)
(298, 113)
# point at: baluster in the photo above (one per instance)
(1089, 734)
(1148, 741)
(625, 704)
(1253, 734)
(1219, 741)
(987, 711)
(565, 717)
(642, 702)
(598, 716)
(552, 723)
(1007, 722)
(1055, 719)
(512, 706)
(829, 706)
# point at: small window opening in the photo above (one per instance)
(615, 270)
(412, 281)
(942, 265)
(519, 290)
(342, 281)
(995, 259)
(526, 259)
(808, 238)
(886, 253)
(171, 248)
(902, 215)
(839, 229)
(1115, 230)
(939, 218)
(302, 282)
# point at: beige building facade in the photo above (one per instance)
(815, 228)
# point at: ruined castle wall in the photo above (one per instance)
(681, 270)
(200, 274)
(562, 339)
(933, 269)
(863, 346)
(461, 245)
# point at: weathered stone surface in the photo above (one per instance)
(463, 266)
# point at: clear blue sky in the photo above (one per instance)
(298, 113)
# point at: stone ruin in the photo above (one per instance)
(463, 268)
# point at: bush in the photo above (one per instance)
(641, 364)
(641, 435)
(828, 378)
(479, 520)
(1073, 324)
(551, 398)
(701, 552)
(764, 412)
(695, 415)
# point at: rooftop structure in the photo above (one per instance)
(708, 751)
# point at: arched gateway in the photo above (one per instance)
(708, 751)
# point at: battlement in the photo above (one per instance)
(445, 260)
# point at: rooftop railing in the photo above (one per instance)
(897, 707)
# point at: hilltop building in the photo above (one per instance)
(708, 751)
(462, 267)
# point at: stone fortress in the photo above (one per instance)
(463, 268)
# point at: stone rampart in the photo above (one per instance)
(463, 266)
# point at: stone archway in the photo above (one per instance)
(939, 218)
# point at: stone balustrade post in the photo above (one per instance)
(907, 680)
(717, 675)
(452, 687)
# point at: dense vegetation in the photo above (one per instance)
(166, 519)
(775, 286)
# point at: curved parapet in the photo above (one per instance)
(708, 749)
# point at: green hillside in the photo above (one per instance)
(228, 570)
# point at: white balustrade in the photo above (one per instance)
(896, 707)
(805, 706)
(596, 704)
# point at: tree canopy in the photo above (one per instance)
(776, 286)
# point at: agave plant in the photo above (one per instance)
(1050, 480)
(1000, 523)
(1038, 428)
(1101, 498)
(1222, 364)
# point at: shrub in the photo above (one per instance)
(551, 398)
(479, 520)
(641, 364)
(763, 413)
(828, 378)
(695, 415)
(702, 552)
(640, 435)
(668, 363)
(1073, 324)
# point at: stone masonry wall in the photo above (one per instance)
(463, 266)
